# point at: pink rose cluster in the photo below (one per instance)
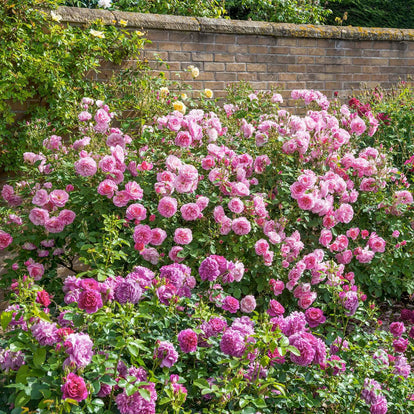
(214, 267)
(372, 395)
(190, 129)
(176, 281)
(236, 337)
(311, 348)
(51, 203)
(8, 194)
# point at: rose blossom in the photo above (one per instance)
(79, 348)
(167, 206)
(59, 197)
(5, 239)
(86, 167)
(187, 340)
(314, 317)
(183, 236)
(248, 304)
(74, 388)
(38, 216)
(397, 329)
(241, 226)
(90, 301)
(230, 304)
(136, 211)
(190, 211)
(166, 353)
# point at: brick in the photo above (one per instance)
(277, 68)
(208, 38)
(247, 77)
(296, 68)
(254, 40)
(157, 35)
(371, 52)
(308, 42)
(193, 47)
(325, 43)
(214, 66)
(334, 68)
(202, 57)
(401, 62)
(288, 76)
(257, 49)
(154, 55)
(371, 62)
(285, 41)
(353, 52)
(267, 76)
(224, 57)
(214, 85)
(233, 48)
(256, 67)
(213, 47)
(224, 76)
(335, 52)
(285, 59)
(246, 58)
(315, 68)
(169, 46)
(279, 50)
(235, 67)
(181, 37)
(225, 38)
(305, 59)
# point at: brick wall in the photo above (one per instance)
(327, 58)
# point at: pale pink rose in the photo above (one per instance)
(142, 234)
(325, 237)
(150, 255)
(54, 225)
(289, 147)
(173, 254)
(344, 213)
(241, 226)
(80, 143)
(248, 304)
(268, 258)
(365, 256)
(107, 164)
(353, 233)
(358, 126)
(307, 299)
(202, 202)
(67, 217)
(183, 139)
(260, 163)
(38, 216)
(261, 247)
(107, 188)
(115, 139)
(225, 227)
(157, 236)
(36, 270)
(167, 206)
(5, 239)
(208, 162)
(102, 116)
(190, 211)
(136, 211)
(219, 214)
(236, 205)
(183, 236)
(121, 198)
(40, 198)
(344, 257)
(59, 197)
(134, 190)
(85, 167)
(306, 201)
(174, 123)
(188, 173)
(239, 189)
(376, 243)
(173, 163)
(261, 139)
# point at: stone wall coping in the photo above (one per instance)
(146, 21)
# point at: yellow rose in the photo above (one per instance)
(195, 72)
(208, 93)
(97, 33)
(164, 92)
(179, 106)
(184, 96)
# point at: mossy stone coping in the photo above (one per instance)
(144, 21)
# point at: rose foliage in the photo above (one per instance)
(213, 264)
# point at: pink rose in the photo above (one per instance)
(107, 188)
(90, 300)
(241, 226)
(54, 225)
(74, 388)
(86, 167)
(136, 212)
(5, 239)
(158, 236)
(167, 206)
(59, 197)
(183, 236)
(190, 211)
(67, 217)
(38, 216)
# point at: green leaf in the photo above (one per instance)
(21, 399)
(201, 383)
(39, 357)
(164, 400)
(6, 318)
(145, 394)
(22, 374)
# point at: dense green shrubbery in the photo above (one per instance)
(373, 13)
(44, 65)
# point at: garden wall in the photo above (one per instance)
(327, 58)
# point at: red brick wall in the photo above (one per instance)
(288, 56)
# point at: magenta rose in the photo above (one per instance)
(90, 301)
(187, 340)
(5, 239)
(74, 388)
(314, 317)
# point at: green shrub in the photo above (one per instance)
(47, 66)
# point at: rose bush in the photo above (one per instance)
(223, 251)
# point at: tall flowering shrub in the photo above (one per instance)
(222, 251)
